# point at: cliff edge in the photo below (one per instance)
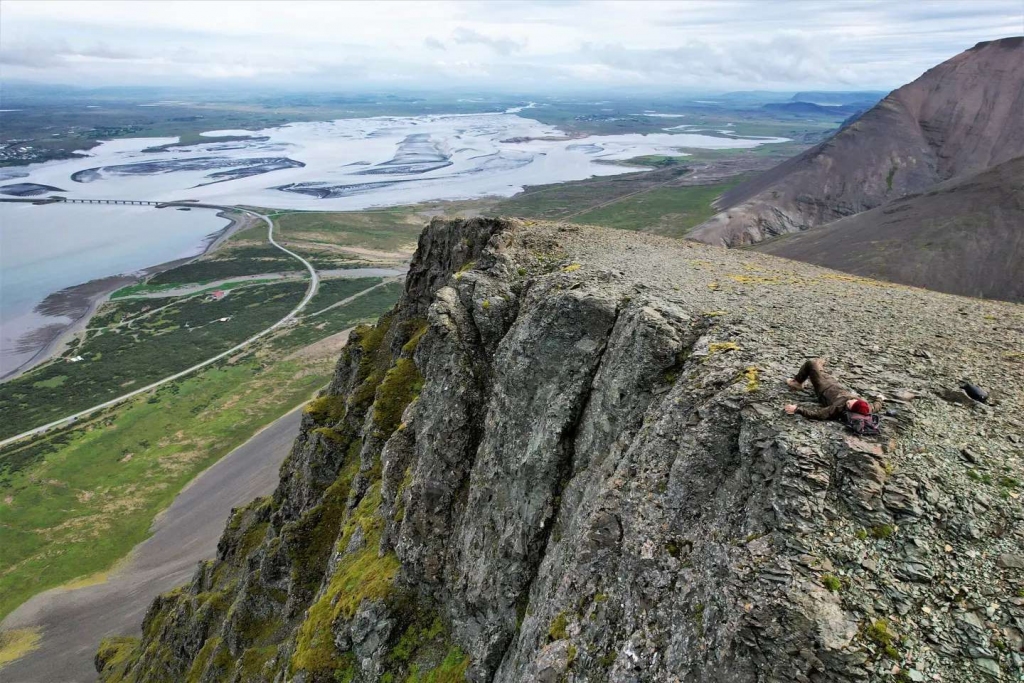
(563, 457)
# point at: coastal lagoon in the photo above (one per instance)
(47, 248)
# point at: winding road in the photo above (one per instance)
(314, 282)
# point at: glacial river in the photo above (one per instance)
(343, 165)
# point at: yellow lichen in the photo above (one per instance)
(571, 268)
(752, 375)
(723, 347)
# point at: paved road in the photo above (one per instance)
(314, 281)
(74, 622)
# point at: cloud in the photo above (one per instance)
(502, 46)
(433, 43)
(55, 54)
(787, 58)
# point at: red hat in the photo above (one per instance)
(861, 406)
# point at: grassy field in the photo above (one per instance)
(554, 202)
(386, 230)
(74, 502)
(652, 201)
(130, 347)
(670, 211)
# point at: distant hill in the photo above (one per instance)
(840, 97)
(964, 236)
(809, 108)
(959, 118)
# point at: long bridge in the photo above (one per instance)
(130, 202)
(108, 201)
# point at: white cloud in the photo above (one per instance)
(698, 44)
(503, 46)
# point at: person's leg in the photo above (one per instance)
(811, 370)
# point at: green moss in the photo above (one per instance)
(360, 575)
(878, 632)
(889, 177)
(861, 534)
(698, 619)
(557, 629)
(882, 531)
(114, 658)
(326, 408)
(601, 597)
(831, 582)
(452, 669)
(253, 661)
(331, 434)
(199, 664)
(485, 304)
(401, 385)
(416, 328)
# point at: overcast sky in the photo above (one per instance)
(525, 46)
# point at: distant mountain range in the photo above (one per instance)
(921, 154)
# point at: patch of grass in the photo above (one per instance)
(752, 375)
(670, 211)
(402, 383)
(879, 633)
(114, 656)
(882, 531)
(389, 230)
(17, 643)
(557, 629)
(833, 583)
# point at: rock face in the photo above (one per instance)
(959, 118)
(562, 457)
(965, 236)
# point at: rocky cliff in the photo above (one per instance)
(961, 117)
(562, 457)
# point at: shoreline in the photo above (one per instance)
(80, 302)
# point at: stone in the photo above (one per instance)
(1010, 561)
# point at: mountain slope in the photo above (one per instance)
(960, 117)
(964, 236)
(562, 456)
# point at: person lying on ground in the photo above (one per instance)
(836, 400)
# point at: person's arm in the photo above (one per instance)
(829, 412)
(878, 405)
(823, 413)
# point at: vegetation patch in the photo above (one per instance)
(16, 643)
(359, 576)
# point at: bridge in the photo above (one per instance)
(107, 201)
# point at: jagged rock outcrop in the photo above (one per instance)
(961, 117)
(562, 457)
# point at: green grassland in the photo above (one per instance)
(75, 501)
(556, 202)
(126, 349)
(387, 230)
(670, 211)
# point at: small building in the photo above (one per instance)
(217, 294)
